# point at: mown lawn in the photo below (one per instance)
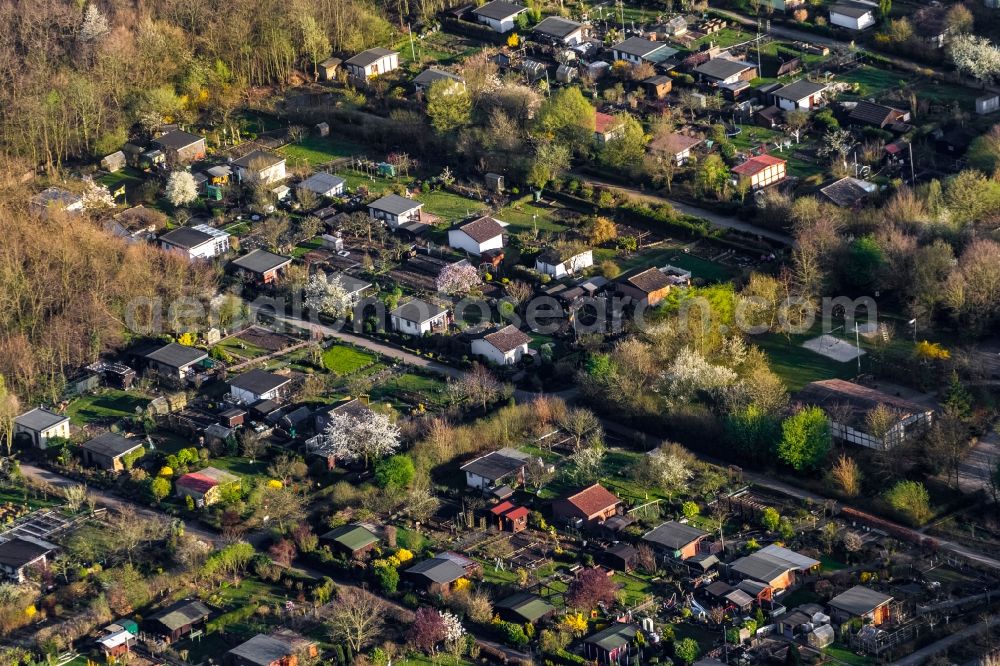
(846, 655)
(524, 214)
(796, 365)
(307, 246)
(343, 360)
(33, 499)
(410, 389)
(128, 177)
(316, 150)
(108, 404)
(449, 206)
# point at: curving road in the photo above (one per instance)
(111, 501)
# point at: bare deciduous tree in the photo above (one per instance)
(357, 617)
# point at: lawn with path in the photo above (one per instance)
(107, 404)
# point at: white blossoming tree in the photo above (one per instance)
(327, 295)
(458, 278)
(976, 56)
(454, 634)
(97, 197)
(94, 25)
(181, 188)
(368, 436)
(587, 464)
(667, 468)
(690, 374)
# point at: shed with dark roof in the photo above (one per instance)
(676, 539)
(418, 317)
(500, 15)
(263, 266)
(181, 147)
(862, 602)
(726, 70)
(20, 554)
(524, 607)
(108, 450)
(178, 620)
(175, 360)
(257, 384)
(506, 465)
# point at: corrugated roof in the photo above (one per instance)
(859, 600)
(352, 537)
(674, 535)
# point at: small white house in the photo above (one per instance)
(638, 49)
(21, 554)
(500, 15)
(554, 264)
(801, 94)
(371, 63)
(260, 167)
(40, 425)
(506, 466)
(323, 184)
(198, 242)
(395, 210)
(503, 347)
(477, 236)
(257, 385)
(561, 31)
(418, 318)
(852, 15)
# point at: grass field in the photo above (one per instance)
(34, 500)
(873, 81)
(240, 466)
(129, 177)
(108, 404)
(846, 655)
(342, 360)
(316, 150)
(524, 214)
(709, 271)
(798, 366)
(442, 47)
(306, 246)
(449, 206)
(409, 389)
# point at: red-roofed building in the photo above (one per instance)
(510, 517)
(606, 127)
(590, 506)
(205, 486)
(761, 171)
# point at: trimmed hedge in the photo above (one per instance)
(666, 216)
